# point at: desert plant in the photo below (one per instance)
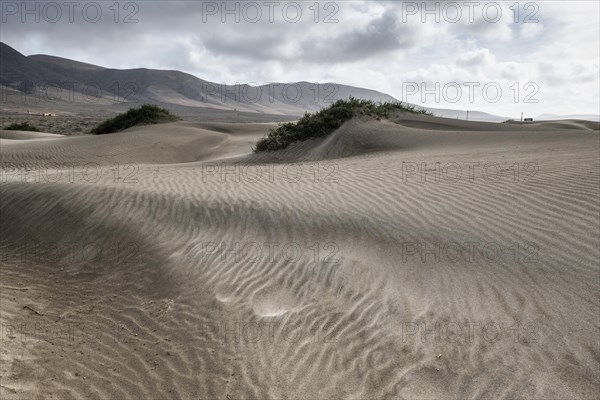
(328, 120)
(23, 126)
(147, 114)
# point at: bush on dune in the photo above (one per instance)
(326, 121)
(147, 114)
(23, 126)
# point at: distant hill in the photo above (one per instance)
(20, 72)
(170, 87)
(176, 89)
(554, 117)
(461, 114)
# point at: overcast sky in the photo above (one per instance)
(546, 51)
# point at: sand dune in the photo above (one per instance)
(570, 124)
(180, 142)
(26, 135)
(171, 262)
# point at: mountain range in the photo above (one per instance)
(28, 74)
(69, 81)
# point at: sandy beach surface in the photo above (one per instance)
(419, 258)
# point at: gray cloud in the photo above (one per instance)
(373, 44)
(382, 35)
(269, 47)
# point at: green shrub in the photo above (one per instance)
(147, 114)
(23, 126)
(326, 121)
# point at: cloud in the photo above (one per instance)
(383, 35)
(476, 58)
(530, 31)
(375, 44)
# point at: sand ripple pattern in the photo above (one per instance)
(171, 292)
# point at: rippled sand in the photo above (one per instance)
(169, 262)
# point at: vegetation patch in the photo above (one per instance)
(327, 120)
(23, 126)
(147, 114)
